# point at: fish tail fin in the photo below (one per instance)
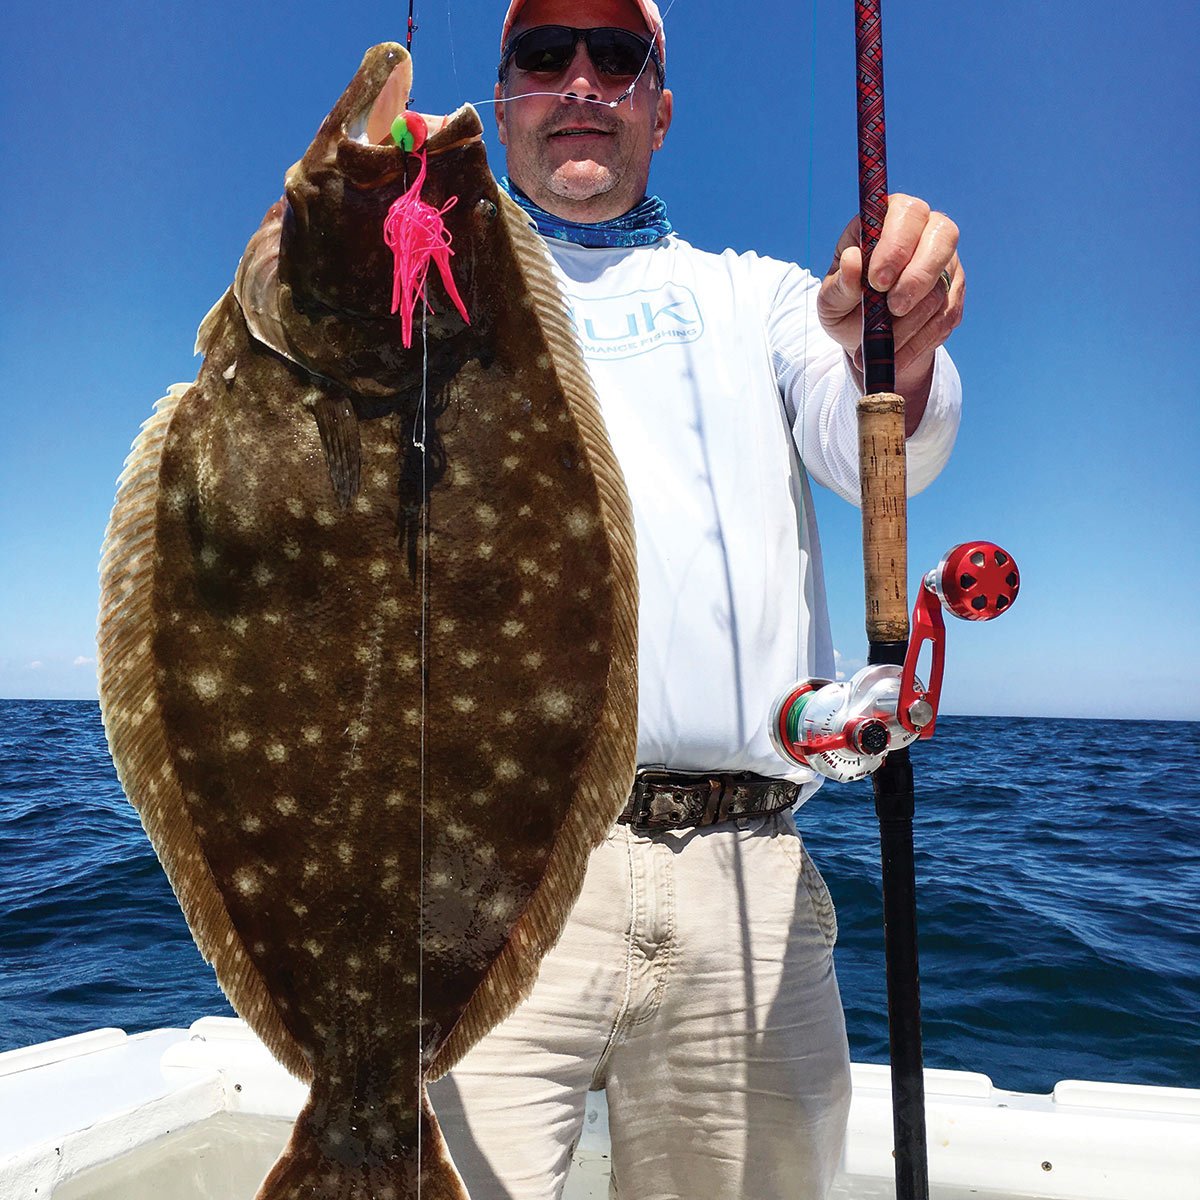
(318, 1162)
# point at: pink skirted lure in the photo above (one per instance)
(416, 235)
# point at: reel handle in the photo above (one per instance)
(975, 581)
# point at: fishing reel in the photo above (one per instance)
(845, 730)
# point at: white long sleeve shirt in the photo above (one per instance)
(722, 393)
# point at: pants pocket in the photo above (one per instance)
(810, 877)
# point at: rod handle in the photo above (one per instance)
(884, 515)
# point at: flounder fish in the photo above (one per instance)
(368, 641)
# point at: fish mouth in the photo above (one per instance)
(379, 94)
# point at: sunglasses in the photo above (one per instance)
(549, 49)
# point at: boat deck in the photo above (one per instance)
(201, 1114)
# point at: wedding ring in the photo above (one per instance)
(945, 279)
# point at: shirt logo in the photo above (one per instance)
(624, 326)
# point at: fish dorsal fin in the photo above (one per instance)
(133, 723)
(606, 776)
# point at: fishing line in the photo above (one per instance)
(420, 441)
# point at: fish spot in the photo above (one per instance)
(468, 658)
(407, 662)
(555, 704)
(486, 515)
(247, 882)
(583, 593)
(389, 607)
(512, 629)
(543, 362)
(393, 800)
(208, 685)
(291, 548)
(508, 769)
(276, 752)
(301, 910)
(272, 618)
(239, 739)
(379, 477)
(525, 511)
(538, 425)
(515, 435)
(259, 948)
(208, 556)
(457, 832)
(510, 462)
(309, 673)
(533, 660)
(354, 962)
(262, 574)
(328, 559)
(463, 704)
(528, 566)
(485, 550)
(390, 882)
(481, 798)
(500, 906)
(378, 569)
(285, 805)
(345, 851)
(251, 823)
(311, 867)
(508, 717)
(383, 952)
(314, 948)
(580, 523)
(526, 597)
(446, 625)
(412, 716)
(358, 995)
(294, 506)
(311, 734)
(324, 517)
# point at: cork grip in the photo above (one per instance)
(884, 515)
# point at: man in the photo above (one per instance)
(694, 980)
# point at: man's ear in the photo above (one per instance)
(662, 117)
(499, 111)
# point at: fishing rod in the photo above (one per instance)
(865, 725)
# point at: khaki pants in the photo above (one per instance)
(694, 982)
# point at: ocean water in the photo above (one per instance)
(1058, 868)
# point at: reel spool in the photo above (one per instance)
(845, 730)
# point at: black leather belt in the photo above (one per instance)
(664, 799)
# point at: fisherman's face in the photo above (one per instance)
(579, 160)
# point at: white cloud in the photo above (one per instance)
(83, 661)
(36, 665)
(844, 666)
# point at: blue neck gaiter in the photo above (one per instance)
(642, 225)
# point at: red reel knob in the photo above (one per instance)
(975, 581)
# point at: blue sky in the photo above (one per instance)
(144, 142)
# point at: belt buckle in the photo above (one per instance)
(646, 820)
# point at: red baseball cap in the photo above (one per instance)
(647, 8)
